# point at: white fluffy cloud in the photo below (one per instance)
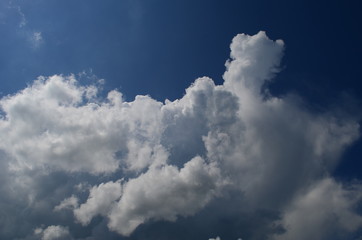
(324, 211)
(151, 161)
(53, 124)
(99, 202)
(53, 233)
(164, 193)
(68, 203)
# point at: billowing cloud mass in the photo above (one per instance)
(226, 160)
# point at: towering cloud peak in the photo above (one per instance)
(254, 59)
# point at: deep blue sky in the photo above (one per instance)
(159, 47)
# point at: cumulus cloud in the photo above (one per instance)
(324, 211)
(48, 125)
(100, 200)
(164, 193)
(53, 233)
(141, 162)
(68, 203)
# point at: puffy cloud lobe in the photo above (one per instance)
(154, 161)
(99, 202)
(254, 60)
(68, 203)
(324, 211)
(52, 124)
(160, 193)
(53, 233)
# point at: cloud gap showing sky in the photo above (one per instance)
(77, 166)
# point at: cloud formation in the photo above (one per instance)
(324, 211)
(53, 233)
(164, 193)
(11, 9)
(36, 39)
(142, 162)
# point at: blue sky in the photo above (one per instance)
(159, 47)
(305, 115)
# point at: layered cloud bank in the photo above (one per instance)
(79, 166)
